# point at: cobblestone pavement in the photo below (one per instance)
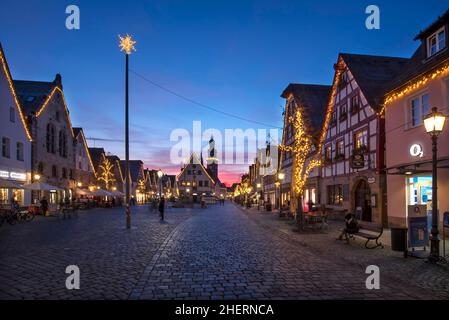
(222, 254)
(392, 264)
(34, 255)
(214, 253)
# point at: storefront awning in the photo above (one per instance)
(9, 184)
(423, 167)
(40, 186)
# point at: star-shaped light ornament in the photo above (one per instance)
(127, 44)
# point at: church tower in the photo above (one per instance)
(212, 161)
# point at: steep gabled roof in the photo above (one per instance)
(419, 64)
(116, 162)
(194, 160)
(135, 169)
(433, 26)
(79, 133)
(373, 74)
(32, 94)
(7, 72)
(97, 155)
(41, 94)
(313, 98)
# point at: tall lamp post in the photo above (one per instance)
(127, 45)
(160, 175)
(434, 124)
(258, 185)
(281, 177)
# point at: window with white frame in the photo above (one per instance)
(436, 42)
(419, 108)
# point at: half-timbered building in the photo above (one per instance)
(312, 99)
(353, 138)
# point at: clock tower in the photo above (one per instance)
(212, 160)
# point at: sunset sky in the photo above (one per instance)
(235, 56)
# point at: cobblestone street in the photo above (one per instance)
(221, 252)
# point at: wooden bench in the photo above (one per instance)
(371, 232)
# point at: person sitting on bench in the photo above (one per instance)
(351, 226)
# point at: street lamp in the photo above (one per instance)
(127, 45)
(159, 175)
(37, 177)
(281, 177)
(258, 185)
(434, 123)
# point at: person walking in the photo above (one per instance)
(162, 208)
(44, 206)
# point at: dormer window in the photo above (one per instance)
(436, 42)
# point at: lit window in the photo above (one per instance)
(341, 148)
(328, 153)
(436, 42)
(361, 139)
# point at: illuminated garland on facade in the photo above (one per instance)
(329, 109)
(301, 149)
(13, 91)
(413, 85)
(42, 108)
(88, 154)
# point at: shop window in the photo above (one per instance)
(419, 190)
(6, 147)
(4, 196)
(335, 195)
(419, 108)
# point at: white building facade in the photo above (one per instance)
(15, 159)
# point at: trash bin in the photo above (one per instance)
(399, 239)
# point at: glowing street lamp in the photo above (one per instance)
(160, 174)
(37, 177)
(281, 177)
(127, 45)
(434, 124)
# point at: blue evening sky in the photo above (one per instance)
(237, 56)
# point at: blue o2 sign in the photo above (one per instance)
(416, 150)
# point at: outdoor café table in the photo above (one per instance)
(315, 219)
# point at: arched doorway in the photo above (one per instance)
(362, 195)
